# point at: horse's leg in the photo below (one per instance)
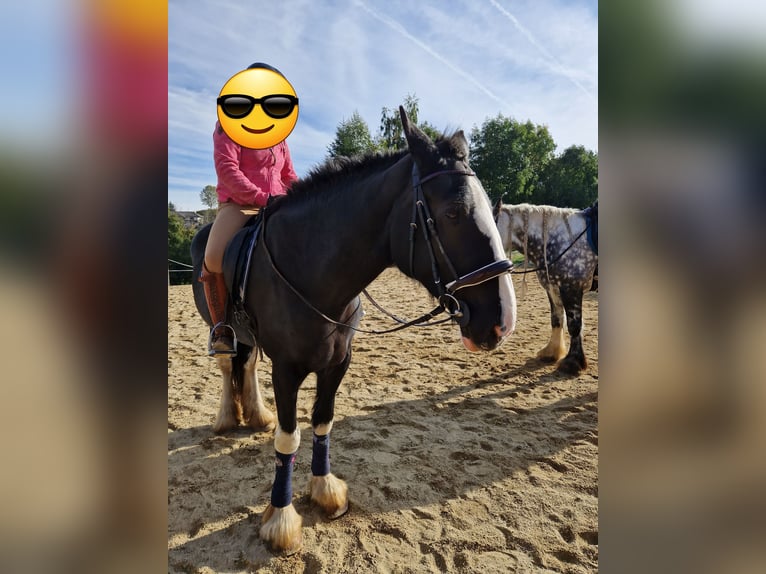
(327, 490)
(227, 411)
(254, 411)
(575, 361)
(281, 524)
(556, 347)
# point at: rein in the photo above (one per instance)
(559, 256)
(421, 321)
(448, 303)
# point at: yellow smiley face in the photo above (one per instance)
(257, 108)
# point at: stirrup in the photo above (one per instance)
(215, 352)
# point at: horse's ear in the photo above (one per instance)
(419, 143)
(498, 206)
(460, 144)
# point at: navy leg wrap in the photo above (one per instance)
(320, 455)
(282, 491)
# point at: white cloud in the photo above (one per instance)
(555, 65)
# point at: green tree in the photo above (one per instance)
(179, 247)
(430, 131)
(209, 197)
(352, 137)
(510, 157)
(391, 136)
(570, 180)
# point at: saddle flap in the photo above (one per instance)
(237, 259)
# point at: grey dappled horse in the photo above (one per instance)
(554, 240)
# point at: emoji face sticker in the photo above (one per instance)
(257, 107)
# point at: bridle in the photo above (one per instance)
(456, 309)
(421, 217)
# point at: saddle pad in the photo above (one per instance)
(591, 213)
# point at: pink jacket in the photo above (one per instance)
(249, 176)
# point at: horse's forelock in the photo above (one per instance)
(453, 146)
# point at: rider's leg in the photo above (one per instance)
(228, 221)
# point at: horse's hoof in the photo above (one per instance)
(570, 366)
(262, 423)
(338, 513)
(281, 530)
(331, 494)
(222, 427)
(546, 358)
(258, 427)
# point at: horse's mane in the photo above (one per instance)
(336, 172)
(549, 215)
(547, 211)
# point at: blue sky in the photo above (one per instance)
(465, 60)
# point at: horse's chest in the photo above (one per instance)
(314, 348)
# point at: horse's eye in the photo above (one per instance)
(452, 212)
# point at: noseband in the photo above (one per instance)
(421, 217)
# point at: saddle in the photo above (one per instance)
(237, 261)
(591, 215)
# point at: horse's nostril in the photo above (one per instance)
(500, 331)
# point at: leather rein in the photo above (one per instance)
(448, 303)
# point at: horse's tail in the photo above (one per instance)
(198, 244)
(238, 368)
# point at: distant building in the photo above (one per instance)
(191, 218)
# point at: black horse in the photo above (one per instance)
(422, 210)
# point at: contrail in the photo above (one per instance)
(399, 28)
(558, 66)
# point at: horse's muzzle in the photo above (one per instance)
(460, 312)
(500, 332)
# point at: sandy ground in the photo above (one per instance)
(455, 462)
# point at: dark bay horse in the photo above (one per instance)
(555, 241)
(422, 210)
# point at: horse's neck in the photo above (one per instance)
(521, 228)
(349, 241)
(538, 228)
(530, 228)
